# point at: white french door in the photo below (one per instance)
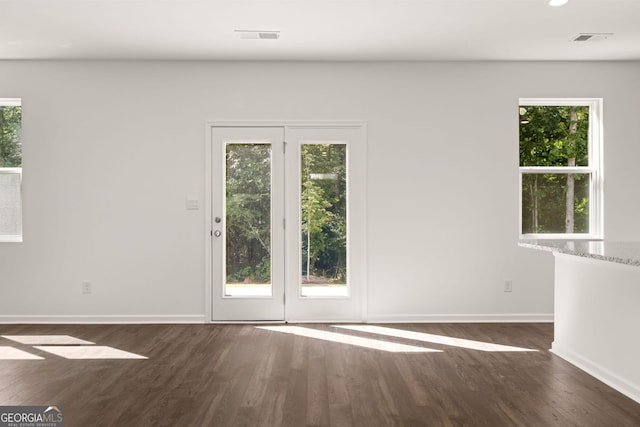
(247, 224)
(287, 219)
(326, 207)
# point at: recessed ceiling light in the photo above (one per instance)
(557, 2)
(255, 34)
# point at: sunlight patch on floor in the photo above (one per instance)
(10, 353)
(64, 346)
(375, 344)
(88, 352)
(434, 339)
(46, 339)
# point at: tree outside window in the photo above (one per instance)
(324, 214)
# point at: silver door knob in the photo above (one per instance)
(217, 233)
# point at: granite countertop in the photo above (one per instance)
(618, 252)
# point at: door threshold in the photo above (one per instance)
(248, 322)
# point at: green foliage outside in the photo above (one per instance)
(554, 136)
(324, 213)
(248, 198)
(10, 136)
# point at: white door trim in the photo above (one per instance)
(288, 125)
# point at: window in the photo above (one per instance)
(10, 170)
(560, 168)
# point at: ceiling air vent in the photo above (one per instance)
(591, 37)
(262, 35)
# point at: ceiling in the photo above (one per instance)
(322, 30)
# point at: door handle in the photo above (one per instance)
(217, 233)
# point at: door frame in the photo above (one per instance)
(360, 225)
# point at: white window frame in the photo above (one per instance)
(594, 169)
(6, 102)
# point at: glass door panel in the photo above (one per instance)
(248, 220)
(323, 215)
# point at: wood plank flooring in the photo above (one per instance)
(244, 375)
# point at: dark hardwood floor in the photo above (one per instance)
(237, 375)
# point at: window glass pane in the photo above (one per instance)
(544, 203)
(10, 136)
(324, 219)
(248, 220)
(10, 204)
(10, 169)
(554, 135)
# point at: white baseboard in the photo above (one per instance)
(462, 318)
(103, 319)
(197, 318)
(606, 376)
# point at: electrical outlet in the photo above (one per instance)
(508, 285)
(86, 287)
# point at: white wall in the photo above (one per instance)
(111, 151)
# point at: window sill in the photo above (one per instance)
(560, 236)
(10, 239)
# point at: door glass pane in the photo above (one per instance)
(323, 219)
(545, 198)
(248, 220)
